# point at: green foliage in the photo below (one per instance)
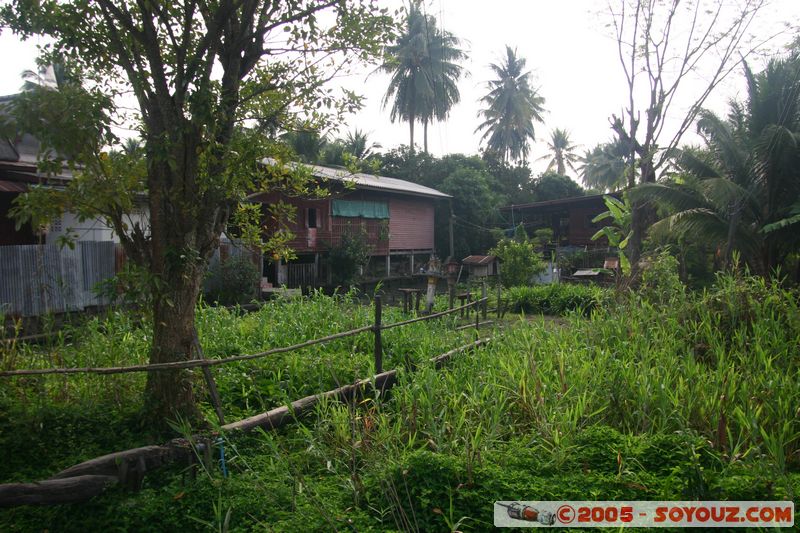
(519, 261)
(562, 152)
(557, 299)
(232, 281)
(742, 191)
(543, 236)
(512, 106)
(423, 62)
(660, 282)
(619, 233)
(605, 166)
(201, 158)
(552, 186)
(694, 400)
(349, 256)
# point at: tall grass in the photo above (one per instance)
(673, 396)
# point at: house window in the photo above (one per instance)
(360, 208)
(311, 217)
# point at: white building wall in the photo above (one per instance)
(93, 229)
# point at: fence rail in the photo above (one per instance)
(198, 363)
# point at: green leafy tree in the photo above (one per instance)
(357, 144)
(519, 261)
(512, 106)
(511, 181)
(196, 70)
(424, 67)
(307, 144)
(349, 256)
(562, 152)
(552, 186)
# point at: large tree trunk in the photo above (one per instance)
(425, 135)
(642, 216)
(185, 229)
(169, 393)
(411, 134)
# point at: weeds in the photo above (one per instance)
(664, 396)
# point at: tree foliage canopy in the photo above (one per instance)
(199, 72)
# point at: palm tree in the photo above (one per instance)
(562, 152)
(604, 167)
(741, 194)
(512, 106)
(424, 70)
(357, 144)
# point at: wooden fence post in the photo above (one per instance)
(499, 297)
(212, 385)
(377, 331)
(485, 300)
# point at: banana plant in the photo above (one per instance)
(619, 232)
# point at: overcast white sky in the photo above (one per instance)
(568, 47)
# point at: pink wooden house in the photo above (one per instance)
(396, 218)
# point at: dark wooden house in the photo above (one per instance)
(569, 218)
(395, 217)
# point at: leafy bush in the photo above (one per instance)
(556, 299)
(232, 281)
(660, 282)
(519, 261)
(348, 257)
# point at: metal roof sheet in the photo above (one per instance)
(369, 181)
(562, 201)
(478, 259)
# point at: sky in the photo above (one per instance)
(570, 51)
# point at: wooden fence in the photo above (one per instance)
(127, 468)
(301, 275)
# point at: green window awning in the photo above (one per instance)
(360, 208)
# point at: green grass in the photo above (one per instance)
(556, 299)
(682, 396)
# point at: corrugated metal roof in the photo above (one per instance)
(478, 259)
(369, 181)
(562, 201)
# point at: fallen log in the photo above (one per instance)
(54, 491)
(113, 463)
(281, 416)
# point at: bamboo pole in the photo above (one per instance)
(378, 351)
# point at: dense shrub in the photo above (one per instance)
(232, 281)
(556, 298)
(660, 282)
(346, 258)
(519, 261)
